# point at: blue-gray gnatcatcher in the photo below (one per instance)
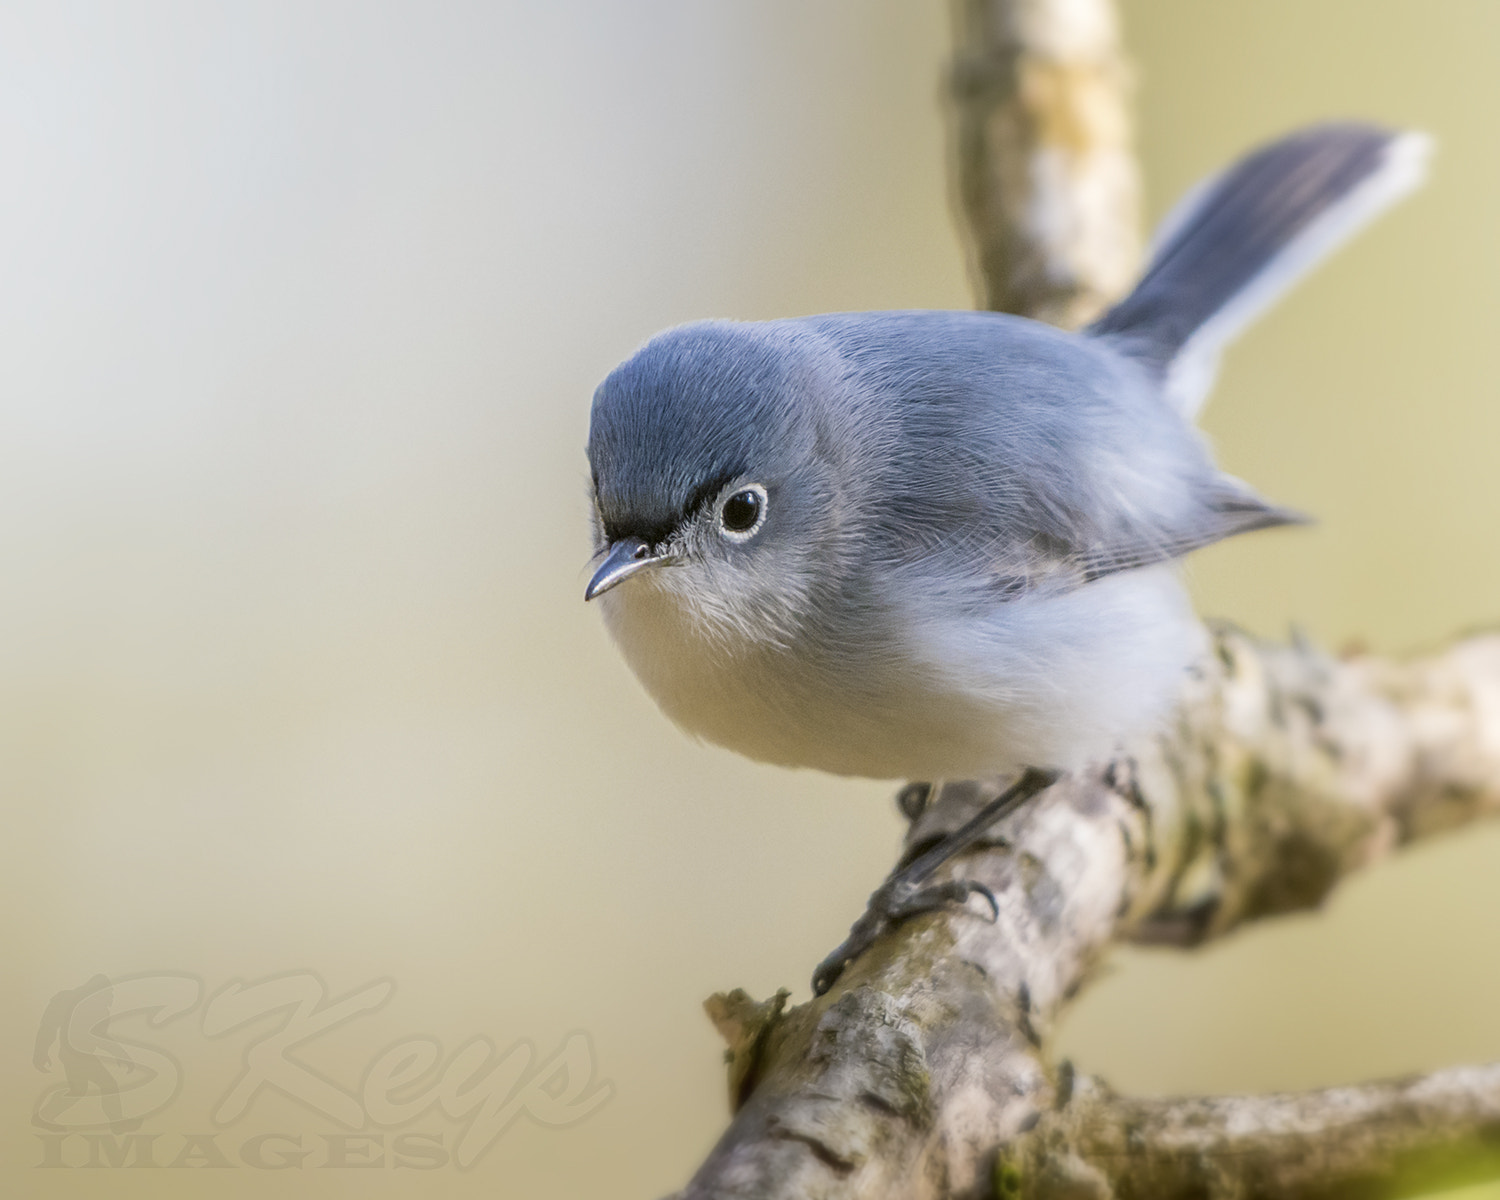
(928, 545)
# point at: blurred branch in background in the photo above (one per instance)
(924, 1073)
(1045, 171)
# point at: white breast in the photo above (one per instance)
(1043, 681)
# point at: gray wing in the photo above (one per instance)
(1060, 564)
(1228, 509)
(1015, 457)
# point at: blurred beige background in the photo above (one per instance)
(304, 304)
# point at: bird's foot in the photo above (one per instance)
(904, 895)
(894, 901)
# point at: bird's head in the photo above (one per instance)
(715, 476)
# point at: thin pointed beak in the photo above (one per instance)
(625, 558)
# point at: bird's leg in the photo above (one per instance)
(903, 895)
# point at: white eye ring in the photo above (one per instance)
(745, 502)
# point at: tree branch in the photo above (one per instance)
(1046, 176)
(1380, 1139)
(1285, 771)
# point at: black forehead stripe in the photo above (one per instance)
(708, 489)
(654, 532)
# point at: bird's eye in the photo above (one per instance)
(743, 513)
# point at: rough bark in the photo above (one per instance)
(1371, 1140)
(922, 1074)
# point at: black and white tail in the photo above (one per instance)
(1239, 240)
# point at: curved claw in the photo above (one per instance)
(913, 799)
(902, 895)
(893, 902)
(979, 889)
(828, 972)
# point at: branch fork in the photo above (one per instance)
(923, 1072)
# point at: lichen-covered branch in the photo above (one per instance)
(1285, 771)
(1045, 172)
(1377, 1139)
(1292, 768)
